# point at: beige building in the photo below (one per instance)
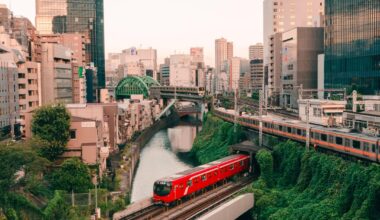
(300, 50)
(223, 53)
(256, 52)
(106, 114)
(257, 75)
(234, 76)
(181, 71)
(56, 74)
(86, 142)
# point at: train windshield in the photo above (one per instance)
(162, 188)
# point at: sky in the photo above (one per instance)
(173, 26)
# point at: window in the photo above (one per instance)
(323, 137)
(231, 167)
(289, 130)
(280, 128)
(204, 178)
(331, 139)
(347, 142)
(356, 144)
(299, 132)
(366, 146)
(373, 148)
(339, 140)
(73, 134)
(242, 163)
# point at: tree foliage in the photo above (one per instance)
(311, 185)
(19, 168)
(213, 141)
(72, 176)
(50, 125)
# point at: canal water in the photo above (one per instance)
(161, 157)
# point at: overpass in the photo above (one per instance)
(191, 94)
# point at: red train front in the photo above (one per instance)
(175, 187)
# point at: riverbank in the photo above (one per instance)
(300, 184)
(213, 141)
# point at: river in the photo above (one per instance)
(159, 158)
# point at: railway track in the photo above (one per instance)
(191, 208)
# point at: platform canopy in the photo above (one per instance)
(135, 85)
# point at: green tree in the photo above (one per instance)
(72, 176)
(19, 167)
(51, 125)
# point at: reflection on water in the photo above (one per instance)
(182, 138)
(157, 160)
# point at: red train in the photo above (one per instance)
(177, 186)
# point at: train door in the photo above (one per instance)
(366, 150)
(347, 144)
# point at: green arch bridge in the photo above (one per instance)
(134, 85)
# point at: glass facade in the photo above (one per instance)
(76, 16)
(352, 45)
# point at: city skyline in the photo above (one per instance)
(214, 19)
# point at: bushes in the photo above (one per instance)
(311, 185)
(213, 141)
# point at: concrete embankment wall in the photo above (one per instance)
(144, 138)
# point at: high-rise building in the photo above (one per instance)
(223, 53)
(9, 92)
(181, 71)
(234, 77)
(256, 52)
(300, 49)
(56, 74)
(352, 45)
(77, 16)
(283, 15)
(257, 75)
(197, 54)
(146, 57)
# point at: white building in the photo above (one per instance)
(256, 52)
(181, 71)
(322, 112)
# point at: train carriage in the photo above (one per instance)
(338, 140)
(173, 188)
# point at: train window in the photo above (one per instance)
(366, 146)
(204, 178)
(347, 142)
(242, 163)
(323, 137)
(339, 140)
(373, 148)
(231, 167)
(280, 127)
(356, 144)
(216, 173)
(316, 136)
(311, 134)
(189, 183)
(299, 132)
(289, 130)
(331, 139)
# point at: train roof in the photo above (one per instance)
(196, 170)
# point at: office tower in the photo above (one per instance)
(352, 45)
(283, 15)
(257, 75)
(56, 74)
(223, 53)
(9, 96)
(197, 59)
(256, 52)
(234, 77)
(300, 50)
(80, 16)
(181, 71)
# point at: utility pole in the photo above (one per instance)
(307, 112)
(261, 102)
